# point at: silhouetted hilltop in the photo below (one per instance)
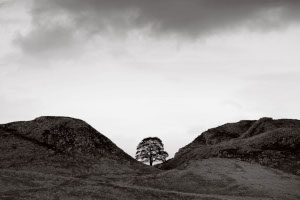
(273, 143)
(61, 142)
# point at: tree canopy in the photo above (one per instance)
(150, 150)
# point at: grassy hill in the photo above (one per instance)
(65, 158)
(268, 142)
(61, 145)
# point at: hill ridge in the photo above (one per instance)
(269, 142)
(67, 143)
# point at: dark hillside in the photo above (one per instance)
(58, 142)
(272, 143)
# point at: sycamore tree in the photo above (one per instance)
(151, 150)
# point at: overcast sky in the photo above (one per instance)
(139, 68)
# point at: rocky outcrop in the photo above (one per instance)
(257, 127)
(272, 143)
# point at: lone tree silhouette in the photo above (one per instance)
(150, 150)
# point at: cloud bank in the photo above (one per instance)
(58, 23)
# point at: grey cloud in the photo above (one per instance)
(192, 18)
(4, 3)
(46, 40)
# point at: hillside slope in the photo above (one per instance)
(209, 179)
(61, 145)
(225, 177)
(272, 143)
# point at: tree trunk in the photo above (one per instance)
(151, 161)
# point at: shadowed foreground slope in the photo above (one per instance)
(226, 177)
(213, 179)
